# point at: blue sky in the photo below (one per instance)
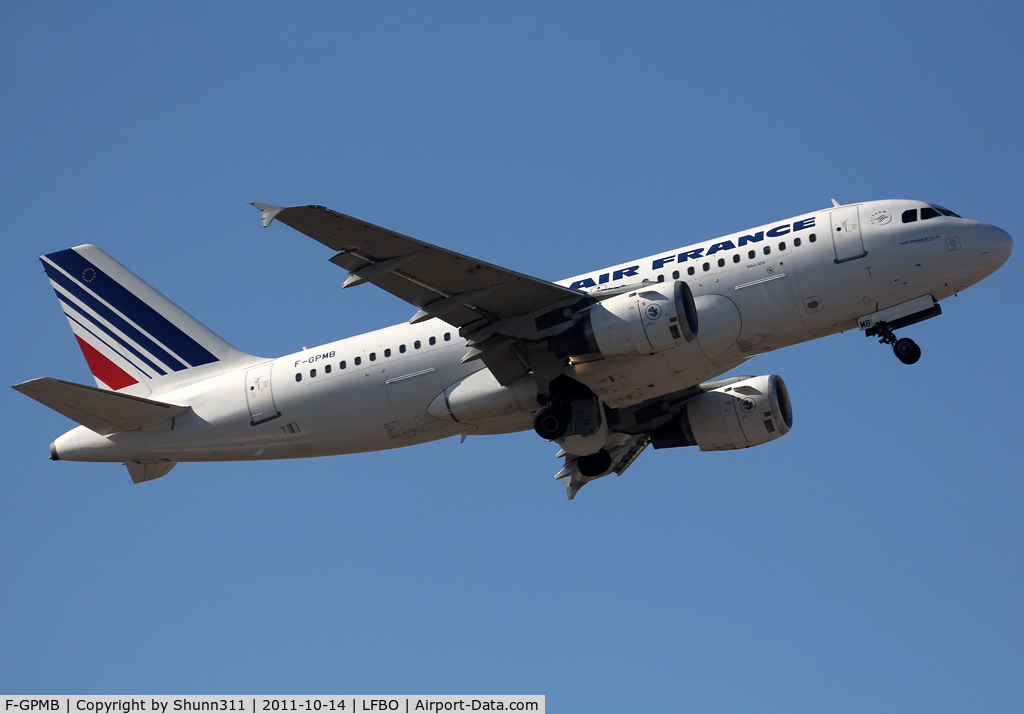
(870, 560)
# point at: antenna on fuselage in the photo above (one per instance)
(836, 203)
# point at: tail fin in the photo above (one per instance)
(134, 339)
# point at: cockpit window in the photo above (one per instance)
(910, 215)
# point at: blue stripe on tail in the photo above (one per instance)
(128, 304)
(103, 328)
(113, 318)
(106, 344)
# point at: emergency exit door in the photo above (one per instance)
(846, 234)
(260, 395)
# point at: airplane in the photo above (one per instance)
(603, 364)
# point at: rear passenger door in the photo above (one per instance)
(259, 394)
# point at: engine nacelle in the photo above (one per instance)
(747, 413)
(647, 321)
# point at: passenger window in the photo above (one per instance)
(433, 340)
(675, 275)
(327, 369)
(929, 212)
(690, 270)
(767, 250)
(401, 348)
(312, 373)
(812, 237)
(387, 352)
(373, 356)
(416, 344)
(910, 215)
(721, 262)
(447, 336)
(706, 267)
(796, 242)
(342, 365)
(298, 376)
(736, 258)
(750, 255)
(357, 360)
(661, 278)
(782, 245)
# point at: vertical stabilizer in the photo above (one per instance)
(134, 339)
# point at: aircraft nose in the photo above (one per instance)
(995, 244)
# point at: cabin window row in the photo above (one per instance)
(372, 357)
(751, 255)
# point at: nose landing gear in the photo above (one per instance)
(905, 349)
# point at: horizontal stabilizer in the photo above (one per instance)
(100, 410)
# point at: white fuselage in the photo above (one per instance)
(773, 286)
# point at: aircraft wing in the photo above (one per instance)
(420, 273)
(491, 305)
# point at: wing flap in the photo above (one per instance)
(100, 410)
(623, 449)
(142, 471)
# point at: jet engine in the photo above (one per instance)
(642, 322)
(746, 413)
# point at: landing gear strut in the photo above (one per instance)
(905, 349)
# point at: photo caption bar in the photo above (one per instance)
(347, 704)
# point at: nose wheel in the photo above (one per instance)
(905, 349)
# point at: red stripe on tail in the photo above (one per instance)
(103, 369)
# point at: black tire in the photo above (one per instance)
(907, 351)
(594, 464)
(551, 422)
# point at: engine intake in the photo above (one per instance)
(747, 413)
(644, 322)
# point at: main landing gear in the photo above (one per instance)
(905, 349)
(552, 421)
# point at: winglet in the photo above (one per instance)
(270, 211)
